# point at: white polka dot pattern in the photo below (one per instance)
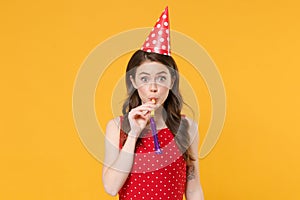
(156, 176)
(159, 36)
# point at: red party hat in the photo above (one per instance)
(158, 40)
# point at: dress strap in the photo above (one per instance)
(123, 135)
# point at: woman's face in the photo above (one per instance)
(153, 81)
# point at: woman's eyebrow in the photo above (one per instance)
(143, 73)
(162, 72)
(158, 73)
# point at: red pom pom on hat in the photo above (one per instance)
(158, 40)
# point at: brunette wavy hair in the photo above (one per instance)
(172, 106)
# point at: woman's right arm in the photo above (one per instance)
(117, 163)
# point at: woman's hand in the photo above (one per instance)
(138, 118)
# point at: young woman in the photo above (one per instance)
(131, 168)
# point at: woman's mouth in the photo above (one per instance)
(153, 99)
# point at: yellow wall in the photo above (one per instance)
(255, 45)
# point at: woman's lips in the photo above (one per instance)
(153, 99)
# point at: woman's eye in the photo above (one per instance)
(161, 78)
(144, 79)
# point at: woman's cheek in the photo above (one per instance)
(163, 94)
(143, 94)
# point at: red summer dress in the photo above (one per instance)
(155, 176)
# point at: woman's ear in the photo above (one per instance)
(172, 82)
(132, 81)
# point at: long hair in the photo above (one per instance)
(173, 104)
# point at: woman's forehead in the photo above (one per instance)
(152, 68)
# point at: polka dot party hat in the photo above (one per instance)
(158, 40)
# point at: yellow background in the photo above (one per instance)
(255, 45)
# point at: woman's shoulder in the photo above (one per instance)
(189, 120)
(114, 122)
(193, 126)
(113, 128)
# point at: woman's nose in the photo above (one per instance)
(153, 87)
